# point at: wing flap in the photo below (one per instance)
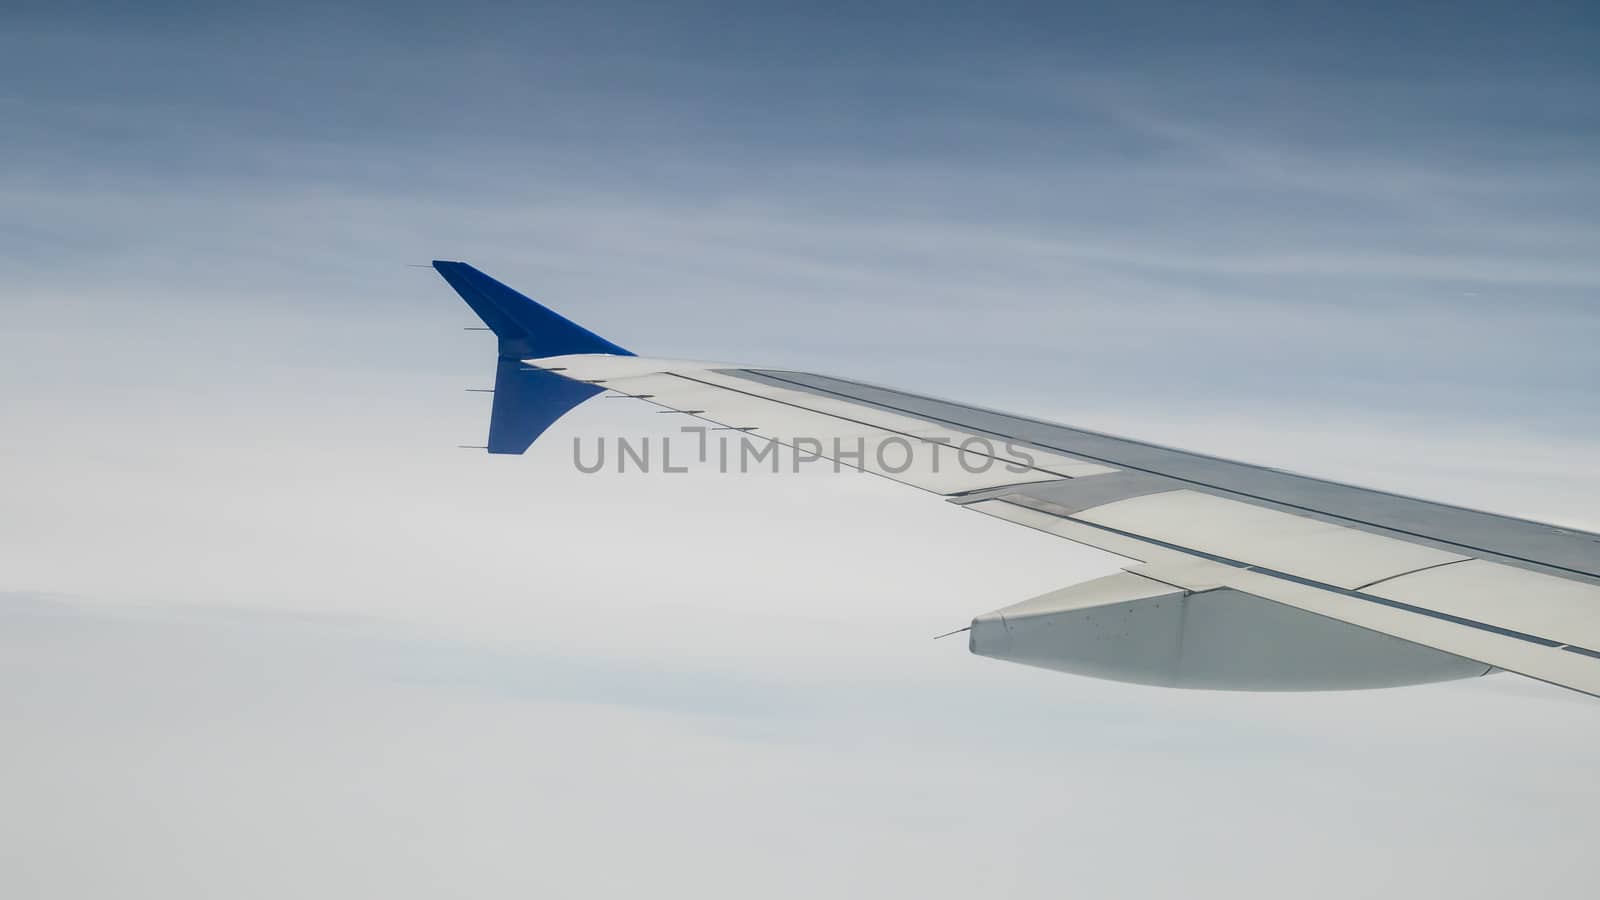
(1299, 545)
(1441, 624)
(1556, 609)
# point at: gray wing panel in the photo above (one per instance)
(1559, 551)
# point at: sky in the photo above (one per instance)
(266, 630)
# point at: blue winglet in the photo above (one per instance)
(526, 329)
(526, 402)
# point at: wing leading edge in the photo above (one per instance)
(1238, 576)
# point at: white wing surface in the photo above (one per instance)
(1238, 576)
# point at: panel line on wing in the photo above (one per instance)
(1448, 562)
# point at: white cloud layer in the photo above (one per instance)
(265, 631)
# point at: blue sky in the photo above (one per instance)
(1132, 184)
(241, 550)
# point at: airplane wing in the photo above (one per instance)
(1237, 576)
